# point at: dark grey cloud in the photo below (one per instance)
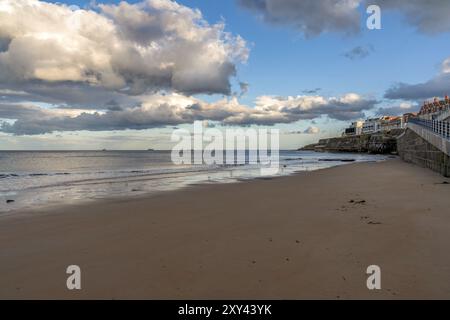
(430, 16)
(13, 111)
(436, 87)
(4, 44)
(311, 17)
(397, 110)
(114, 106)
(65, 94)
(243, 86)
(359, 52)
(136, 119)
(312, 91)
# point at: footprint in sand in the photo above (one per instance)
(354, 202)
(358, 201)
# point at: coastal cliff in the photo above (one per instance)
(378, 143)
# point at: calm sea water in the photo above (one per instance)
(34, 179)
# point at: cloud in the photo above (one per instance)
(309, 130)
(71, 95)
(349, 106)
(313, 17)
(312, 91)
(10, 93)
(11, 111)
(359, 52)
(27, 111)
(426, 16)
(243, 86)
(4, 44)
(435, 87)
(312, 130)
(310, 17)
(137, 66)
(402, 108)
(128, 49)
(175, 109)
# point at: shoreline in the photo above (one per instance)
(20, 203)
(289, 237)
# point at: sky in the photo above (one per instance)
(107, 74)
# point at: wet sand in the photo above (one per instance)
(310, 235)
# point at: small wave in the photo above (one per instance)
(337, 160)
(8, 175)
(47, 174)
(15, 175)
(233, 165)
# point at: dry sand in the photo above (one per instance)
(286, 238)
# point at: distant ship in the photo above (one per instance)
(151, 150)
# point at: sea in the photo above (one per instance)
(36, 179)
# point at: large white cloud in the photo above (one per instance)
(163, 110)
(127, 48)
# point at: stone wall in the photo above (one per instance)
(413, 148)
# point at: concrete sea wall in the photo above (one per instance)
(415, 149)
(415, 145)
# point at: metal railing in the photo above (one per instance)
(441, 128)
(443, 115)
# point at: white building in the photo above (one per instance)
(390, 123)
(385, 123)
(355, 129)
(371, 125)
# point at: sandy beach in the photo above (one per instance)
(310, 235)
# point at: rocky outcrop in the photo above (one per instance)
(382, 143)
